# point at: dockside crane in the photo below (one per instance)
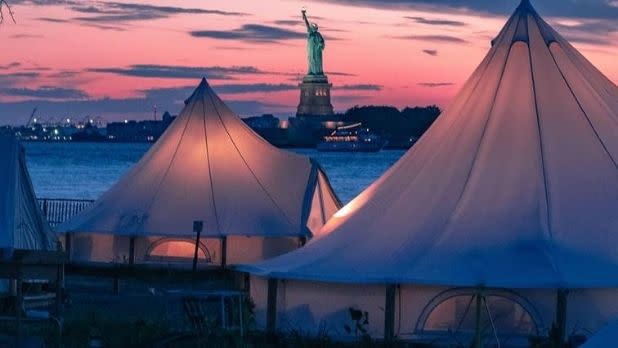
(31, 117)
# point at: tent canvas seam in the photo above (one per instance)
(596, 134)
(246, 164)
(212, 185)
(541, 147)
(158, 188)
(482, 136)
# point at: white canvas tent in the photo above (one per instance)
(255, 200)
(22, 225)
(29, 250)
(511, 195)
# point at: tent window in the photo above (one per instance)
(176, 250)
(505, 314)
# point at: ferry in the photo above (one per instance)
(352, 138)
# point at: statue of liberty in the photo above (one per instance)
(315, 45)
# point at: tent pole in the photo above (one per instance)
(131, 250)
(198, 225)
(223, 251)
(561, 316)
(271, 306)
(389, 312)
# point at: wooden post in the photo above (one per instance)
(223, 251)
(240, 318)
(67, 245)
(131, 250)
(198, 225)
(19, 305)
(247, 283)
(59, 284)
(389, 312)
(271, 306)
(561, 316)
(63, 280)
(45, 209)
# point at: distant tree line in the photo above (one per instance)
(398, 126)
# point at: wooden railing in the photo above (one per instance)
(59, 210)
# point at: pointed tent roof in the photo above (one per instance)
(22, 225)
(515, 185)
(210, 166)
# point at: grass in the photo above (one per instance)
(153, 333)
(78, 331)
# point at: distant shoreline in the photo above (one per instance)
(147, 142)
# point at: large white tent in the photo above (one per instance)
(255, 201)
(22, 225)
(507, 202)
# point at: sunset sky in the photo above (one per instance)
(116, 60)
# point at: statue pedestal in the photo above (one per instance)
(315, 96)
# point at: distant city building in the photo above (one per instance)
(41, 132)
(262, 122)
(270, 128)
(90, 133)
(138, 131)
(400, 128)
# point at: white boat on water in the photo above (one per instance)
(352, 138)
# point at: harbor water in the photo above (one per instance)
(86, 170)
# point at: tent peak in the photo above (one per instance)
(201, 89)
(203, 85)
(525, 5)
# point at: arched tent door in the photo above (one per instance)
(176, 250)
(505, 316)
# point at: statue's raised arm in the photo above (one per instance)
(304, 11)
